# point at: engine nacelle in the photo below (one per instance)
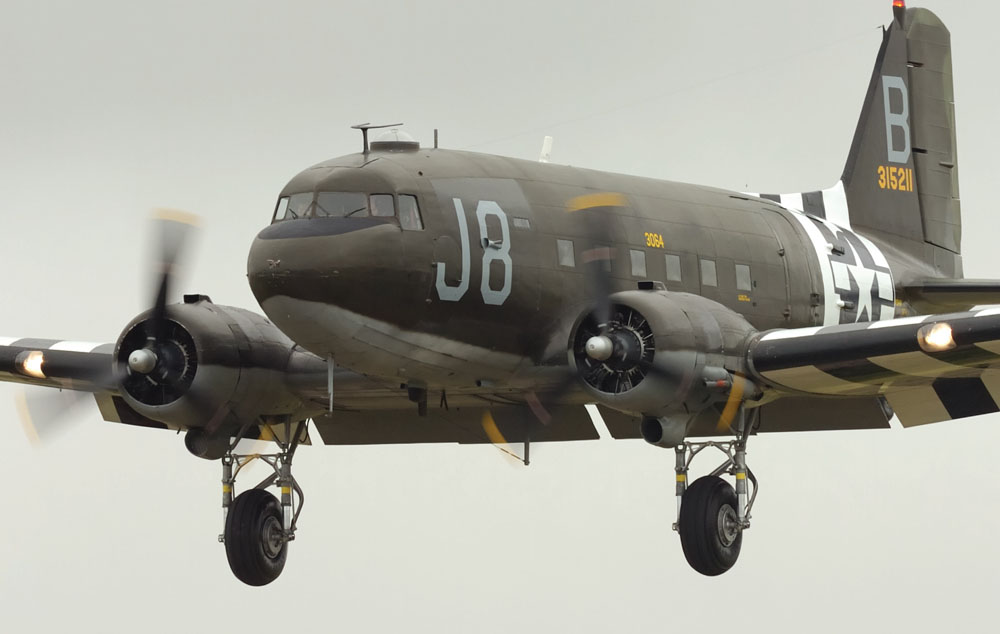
(674, 353)
(218, 367)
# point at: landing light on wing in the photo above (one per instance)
(936, 337)
(31, 364)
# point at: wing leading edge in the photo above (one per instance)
(929, 368)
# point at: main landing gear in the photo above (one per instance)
(711, 515)
(257, 527)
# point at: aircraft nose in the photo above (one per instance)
(316, 258)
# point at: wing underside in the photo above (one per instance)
(928, 369)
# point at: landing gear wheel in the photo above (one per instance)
(255, 541)
(709, 526)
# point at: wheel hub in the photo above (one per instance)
(272, 537)
(728, 525)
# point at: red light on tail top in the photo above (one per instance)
(899, 10)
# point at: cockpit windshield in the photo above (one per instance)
(340, 205)
(322, 205)
(350, 205)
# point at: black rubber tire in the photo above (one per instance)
(704, 547)
(252, 514)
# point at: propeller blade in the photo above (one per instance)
(540, 403)
(497, 439)
(46, 414)
(733, 403)
(598, 259)
(173, 229)
(595, 214)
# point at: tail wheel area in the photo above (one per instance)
(255, 540)
(709, 526)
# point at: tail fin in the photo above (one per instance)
(901, 177)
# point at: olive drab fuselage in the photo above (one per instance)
(488, 288)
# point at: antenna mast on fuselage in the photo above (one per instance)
(365, 127)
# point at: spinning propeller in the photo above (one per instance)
(612, 347)
(157, 358)
(605, 341)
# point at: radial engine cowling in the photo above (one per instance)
(208, 366)
(660, 353)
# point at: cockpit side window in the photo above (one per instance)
(382, 205)
(340, 205)
(409, 213)
(281, 210)
(294, 206)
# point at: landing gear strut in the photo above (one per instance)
(711, 515)
(256, 527)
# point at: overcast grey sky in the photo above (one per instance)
(109, 109)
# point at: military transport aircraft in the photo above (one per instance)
(417, 295)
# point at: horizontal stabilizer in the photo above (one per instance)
(945, 295)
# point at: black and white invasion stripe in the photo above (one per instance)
(68, 364)
(885, 358)
(828, 204)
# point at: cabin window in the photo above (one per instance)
(673, 267)
(743, 279)
(381, 205)
(708, 276)
(409, 213)
(638, 263)
(566, 255)
(340, 205)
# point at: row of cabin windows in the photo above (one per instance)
(709, 275)
(744, 281)
(350, 204)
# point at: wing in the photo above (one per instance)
(929, 368)
(68, 365)
(367, 410)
